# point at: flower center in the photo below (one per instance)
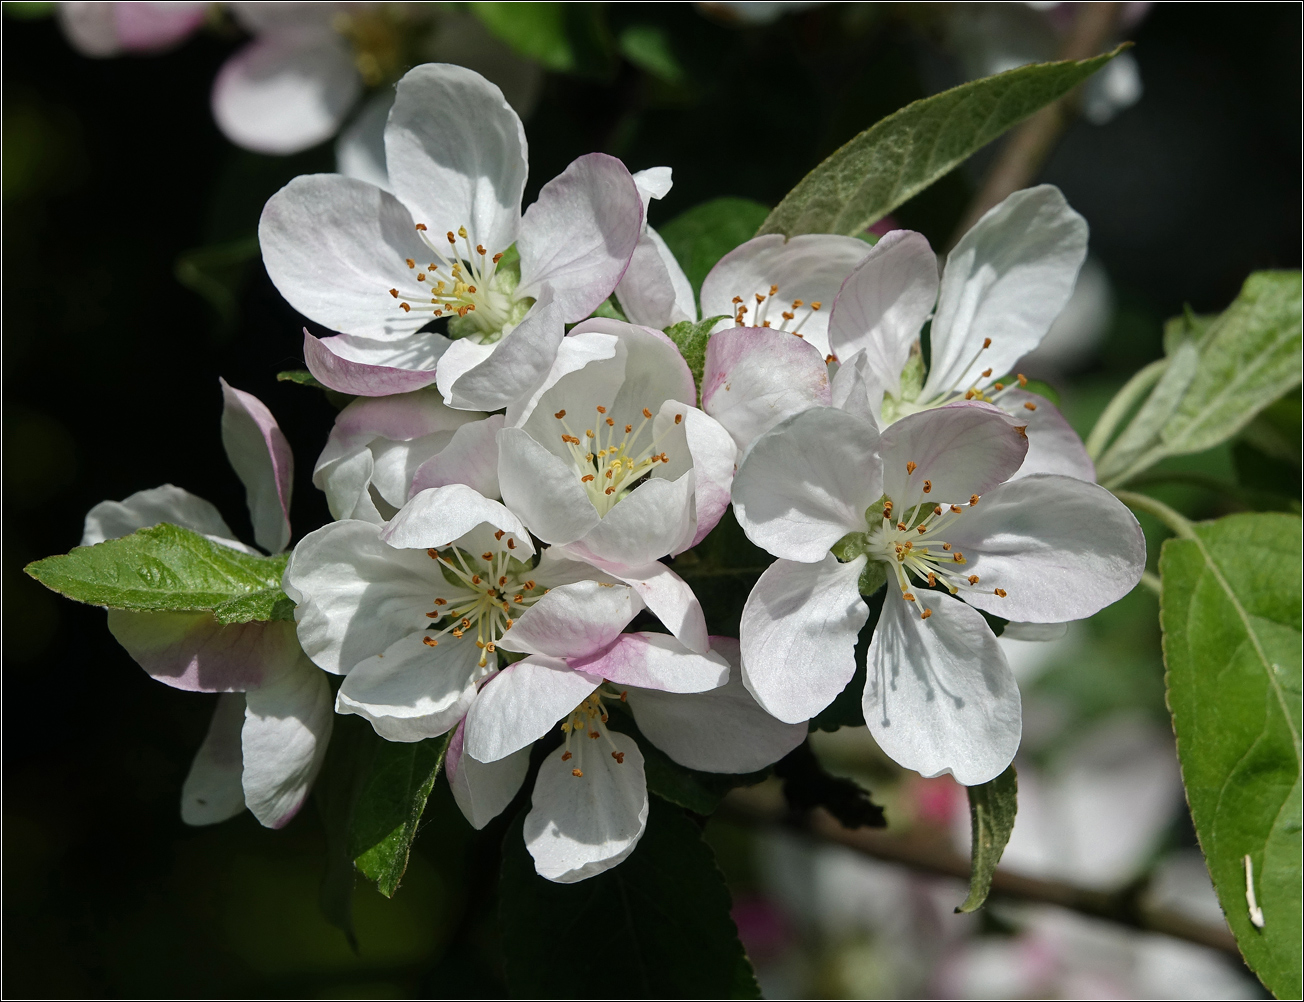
(495, 590)
(585, 724)
(465, 284)
(608, 459)
(767, 312)
(898, 405)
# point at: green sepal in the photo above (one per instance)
(691, 338)
(850, 546)
(873, 577)
(992, 807)
(303, 377)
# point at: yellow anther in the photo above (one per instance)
(908, 596)
(1023, 380)
(577, 773)
(461, 232)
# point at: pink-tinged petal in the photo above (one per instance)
(514, 364)
(948, 454)
(369, 368)
(1060, 548)
(655, 292)
(581, 825)
(544, 490)
(483, 790)
(883, 305)
(286, 730)
(413, 691)
(806, 483)
(400, 418)
(755, 377)
(694, 441)
(1053, 445)
(654, 368)
(655, 661)
(720, 730)
(940, 696)
(655, 519)
(578, 237)
(471, 458)
(666, 595)
(212, 790)
(810, 267)
(573, 620)
(286, 91)
(456, 154)
(258, 452)
(521, 704)
(114, 519)
(193, 651)
(441, 515)
(334, 247)
(856, 389)
(577, 351)
(798, 635)
(1007, 279)
(157, 27)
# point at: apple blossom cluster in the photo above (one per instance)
(522, 460)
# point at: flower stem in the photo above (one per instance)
(1179, 523)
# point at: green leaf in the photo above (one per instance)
(691, 339)
(166, 568)
(901, 155)
(217, 273)
(656, 925)
(335, 792)
(303, 377)
(1230, 611)
(701, 236)
(807, 785)
(390, 805)
(1142, 432)
(1190, 326)
(991, 819)
(567, 38)
(648, 47)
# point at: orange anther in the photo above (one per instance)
(405, 307)
(585, 479)
(647, 413)
(430, 641)
(511, 543)
(394, 293)
(911, 466)
(928, 486)
(973, 500)
(987, 342)
(926, 613)
(421, 227)
(567, 756)
(1029, 405)
(679, 418)
(973, 579)
(1000, 592)
(576, 773)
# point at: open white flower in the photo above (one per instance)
(930, 507)
(413, 612)
(273, 720)
(655, 292)
(608, 459)
(383, 450)
(450, 243)
(590, 799)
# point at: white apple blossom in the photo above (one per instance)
(930, 506)
(273, 720)
(608, 459)
(655, 292)
(590, 800)
(450, 244)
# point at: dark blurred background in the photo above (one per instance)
(114, 174)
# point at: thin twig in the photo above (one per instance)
(1030, 144)
(1122, 907)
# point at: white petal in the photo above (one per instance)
(413, 691)
(212, 790)
(958, 451)
(114, 519)
(261, 457)
(334, 247)
(370, 368)
(1007, 279)
(456, 154)
(576, 240)
(462, 38)
(442, 515)
(286, 91)
(360, 149)
(695, 441)
(542, 489)
(1061, 548)
(655, 292)
(575, 352)
(671, 600)
(580, 826)
(471, 458)
(483, 789)
(856, 389)
(810, 267)
(655, 661)
(940, 696)
(655, 519)
(755, 377)
(573, 620)
(719, 730)
(286, 730)
(883, 305)
(521, 704)
(356, 594)
(1053, 445)
(655, 182)
(346, 481)
(798, 635)
(807, 482)
(495, 379)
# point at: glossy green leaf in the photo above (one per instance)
(657, 925)
(992, 807)
(567, 38)
(691, 339)
(166, 568)
(1230, 610)
(901, 155)
(705, 233)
